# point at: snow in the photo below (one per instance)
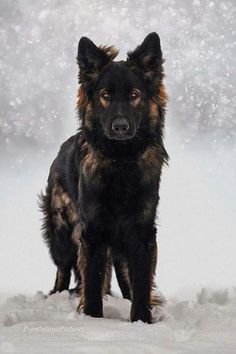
(39, 73)
(202, 325)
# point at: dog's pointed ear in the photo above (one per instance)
(147, 57)
(91, 60)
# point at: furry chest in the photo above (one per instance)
(117, 193)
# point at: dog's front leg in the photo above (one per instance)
(142, 261)
(93, 258)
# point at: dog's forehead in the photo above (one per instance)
(119, 74)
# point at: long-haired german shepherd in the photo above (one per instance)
(103, 188)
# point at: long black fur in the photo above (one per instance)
(103, 188)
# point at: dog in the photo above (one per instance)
(103, 188)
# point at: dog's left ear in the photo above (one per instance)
(91, 60)
(147, 57)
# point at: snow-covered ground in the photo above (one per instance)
(206, 324)
(196, 238)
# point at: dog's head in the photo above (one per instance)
(121, 98)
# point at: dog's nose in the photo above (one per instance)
(120, 126)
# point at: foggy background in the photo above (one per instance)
(38, 88)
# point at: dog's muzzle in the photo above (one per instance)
(120, 129)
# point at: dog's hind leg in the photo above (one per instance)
(64, 253)
(122, 276)
(62, 280)
(106, 290)
(58, 226)
(77, 277)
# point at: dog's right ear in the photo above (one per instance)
(147, 57)
(91, 60)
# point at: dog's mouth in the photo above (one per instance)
(120, 137)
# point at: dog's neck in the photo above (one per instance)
(127, 150)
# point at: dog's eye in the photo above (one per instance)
(134, 94)
(105, 95)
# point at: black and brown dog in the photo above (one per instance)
(103, 188)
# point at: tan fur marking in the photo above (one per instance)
(111, 51)
(162, 96)
(82, 103)
(153, 107)
(104, 103)
(73, 215)
(60, 200)
(107, 278)
(59, 279)
(126, 275)
(150, 163)
(82, 264)
(65, 198)
(135, 102)
(91, 162)
(89, 108)
(76, 234)
(81, 97)
(57, 205)
(153, 112)
(88, 116)
(161, 100)
(156, 299)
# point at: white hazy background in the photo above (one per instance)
(38, 85)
